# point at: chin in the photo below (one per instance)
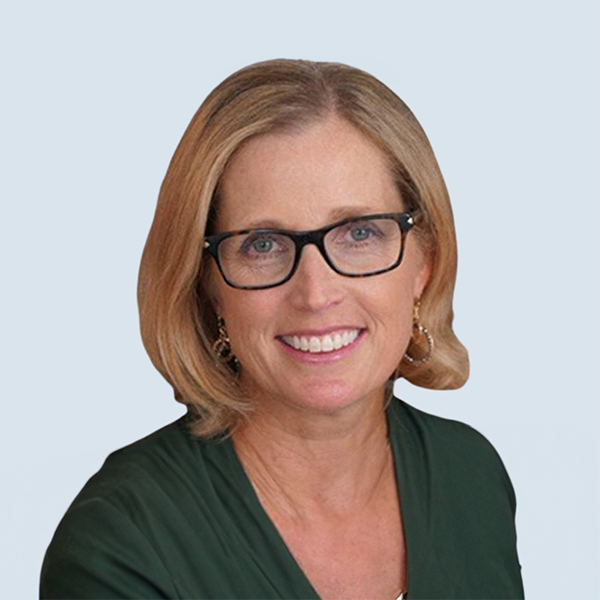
(324, 397)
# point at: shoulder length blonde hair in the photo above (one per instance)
(178, 323)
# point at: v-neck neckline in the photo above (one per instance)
(292, 567)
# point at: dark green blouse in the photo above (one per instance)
(175, 517)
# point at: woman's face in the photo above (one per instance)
(296, 181)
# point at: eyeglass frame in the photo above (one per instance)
(405, 221)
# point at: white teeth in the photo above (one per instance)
(325, 343)
(314, 345)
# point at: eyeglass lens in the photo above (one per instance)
(359, 247)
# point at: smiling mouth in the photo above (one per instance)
(320, 344)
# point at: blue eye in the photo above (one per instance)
(257, 244)
(363, 233)
(262, 246)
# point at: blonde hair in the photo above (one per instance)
(178, 323)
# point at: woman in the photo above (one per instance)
(301, 259)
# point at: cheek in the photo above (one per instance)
(249, 317)
(395, 307)
(401, 316)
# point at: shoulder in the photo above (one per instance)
(167, 472)
(110, 542)
(454, 451)
(442, 434)
(460, 501)
(141, 466)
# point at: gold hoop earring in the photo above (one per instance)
(222, 346)
(420, 329)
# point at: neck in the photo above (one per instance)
(303, 463)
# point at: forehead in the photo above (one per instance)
(306, 179)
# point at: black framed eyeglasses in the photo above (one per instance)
(257, 259)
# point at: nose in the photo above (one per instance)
(315, 285)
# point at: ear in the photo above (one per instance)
(213, 298)
(211, 293)
(423, 275)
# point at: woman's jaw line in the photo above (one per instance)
(316, 423)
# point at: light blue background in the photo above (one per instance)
(95, 97)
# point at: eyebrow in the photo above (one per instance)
(337, 214)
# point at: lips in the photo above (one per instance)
(333, 340)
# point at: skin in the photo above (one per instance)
(316, 449)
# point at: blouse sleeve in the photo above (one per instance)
(98, 552)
